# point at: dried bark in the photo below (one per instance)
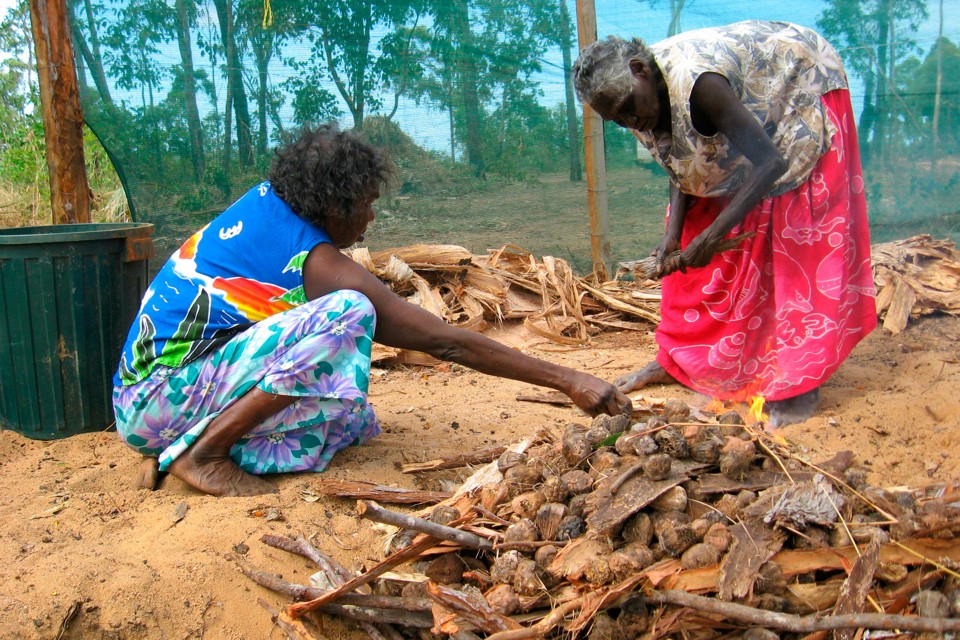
(753, 544)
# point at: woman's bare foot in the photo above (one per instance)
(148, 473)
(206, 464)
(217, 475)
(653, 373)
(793, 410)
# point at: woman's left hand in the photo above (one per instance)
(701, 250)
(697, 254)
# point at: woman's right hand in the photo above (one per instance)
(595, 396)
(668, 245)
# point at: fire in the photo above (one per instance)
(755, 412)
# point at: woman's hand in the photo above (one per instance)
(596, 396)
(669, 244)
(701, 249)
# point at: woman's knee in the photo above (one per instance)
(357, 302)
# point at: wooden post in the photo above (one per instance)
(595, 163)
(62, 117)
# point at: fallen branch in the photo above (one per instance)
(370, 491)
(482, 456)
(413, 551)
(805, 624)
(335, 572)
(555, 399)
(366, 608)
(373, 511)
(543, 627)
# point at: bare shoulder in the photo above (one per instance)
(327, 269)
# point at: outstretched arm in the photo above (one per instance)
(407, 326)
(714, 99)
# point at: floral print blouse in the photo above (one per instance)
(779, 70)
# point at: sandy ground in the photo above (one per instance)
(75, 535)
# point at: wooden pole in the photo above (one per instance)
(595, 163)
(62, 116)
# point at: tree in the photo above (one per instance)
(676, 10)
(62, 117)
(341, 35)
(566, 43)
(870, 35)
(236, 93)
(265, 39)
(82, 31)
(933, 121)
(185, 14)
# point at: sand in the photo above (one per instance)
(76, 535)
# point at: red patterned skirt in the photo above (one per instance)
(777, 315)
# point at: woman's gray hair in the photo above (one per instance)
(604, 67)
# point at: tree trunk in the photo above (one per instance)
(573, 144)
(263, 51)
(235, 86)
(190, 92)
(882, 88)
(465, 63)
(92, 54)
(867, 119)
(676, 9)
(937, 94)
(62, 117)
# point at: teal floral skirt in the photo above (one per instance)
(318, 352)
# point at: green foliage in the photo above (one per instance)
(919, 89)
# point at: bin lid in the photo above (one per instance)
(74, 232)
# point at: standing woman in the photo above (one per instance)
(250, 354)
(754, 126)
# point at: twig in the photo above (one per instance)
(372, 511)
(486, 513)
(301, 592)
(628, 473)
(543, 627)
(928, 560)
(482, 456)
(68, 619)
(412, 612)
(302, 547)
(775, 457)
(533, 544)
(294, 629)
(798, 624)
(398, 558)
(371, 491)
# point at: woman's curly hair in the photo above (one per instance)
(324, 172)
(604, 67)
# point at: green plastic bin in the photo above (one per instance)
(68, 294)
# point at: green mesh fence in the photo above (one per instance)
(472, 98)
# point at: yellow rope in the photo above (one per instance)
(267, 14)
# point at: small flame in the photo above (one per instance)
(755, 413)
(716, 406)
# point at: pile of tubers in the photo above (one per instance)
(601, 504)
